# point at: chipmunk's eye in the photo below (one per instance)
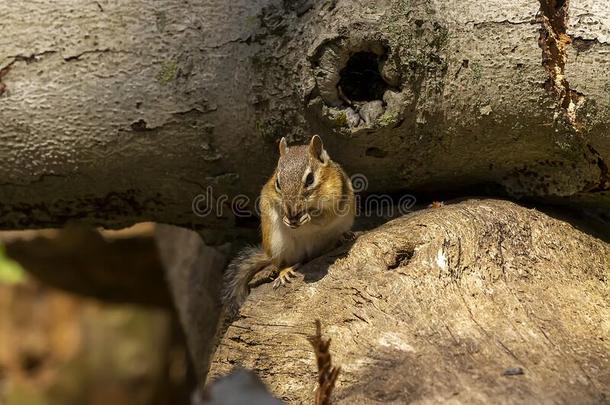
(309, 180)
(277, 184)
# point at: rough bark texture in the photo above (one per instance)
(449, 303)
(114, 112)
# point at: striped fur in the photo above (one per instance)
(238, 274)
(330, 205)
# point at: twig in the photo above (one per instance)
(327, 374)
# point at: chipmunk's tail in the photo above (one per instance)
(240, 272)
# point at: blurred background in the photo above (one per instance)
(62, 343)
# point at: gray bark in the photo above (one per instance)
(114, 112)
(194, 275)
(477, 302)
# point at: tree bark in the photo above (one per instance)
(481, 301)
(115, 112)
(194, 274)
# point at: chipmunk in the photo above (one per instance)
(306, 208)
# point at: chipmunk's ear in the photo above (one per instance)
(316, 149)
(283, 146)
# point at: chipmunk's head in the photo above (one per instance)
(305, 181)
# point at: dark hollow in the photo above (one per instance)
(376, 152)
(361, 79)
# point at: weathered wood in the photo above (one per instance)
(482, 301)
(194, 275)
(115, 112)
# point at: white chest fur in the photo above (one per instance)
(292, 246)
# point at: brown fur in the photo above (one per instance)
(240, 271)
(332, 190)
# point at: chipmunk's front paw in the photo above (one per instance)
(347, 237)
(285, 276)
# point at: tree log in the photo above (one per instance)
(194, 274)
(113, 266)
(481, 301)
(115, 112)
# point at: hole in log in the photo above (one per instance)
(361, 79)
(139, 126)
(376, 152)
(401, 259)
